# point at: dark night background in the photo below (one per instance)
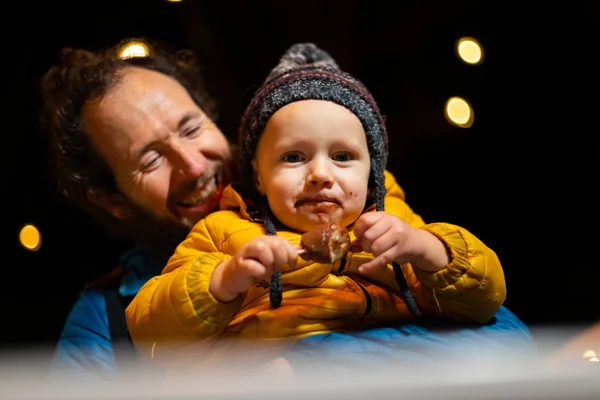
(522, 177)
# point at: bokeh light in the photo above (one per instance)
(589, 354)
(469, 50)
(30, 237)
(134, 49)
(459, 112)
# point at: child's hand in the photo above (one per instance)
(390, 239)
(256, 260)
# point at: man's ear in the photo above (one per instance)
(115, 203)
(257, 182)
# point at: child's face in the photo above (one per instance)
(312, 162)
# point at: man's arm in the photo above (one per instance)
(85, 347)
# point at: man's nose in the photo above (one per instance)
(190, 163)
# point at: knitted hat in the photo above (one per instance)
(306, 72)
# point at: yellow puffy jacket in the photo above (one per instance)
(176, 307)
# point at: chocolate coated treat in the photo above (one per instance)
(326, 243)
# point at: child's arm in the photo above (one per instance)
(201, 289)
(471, 287)
(177, 306)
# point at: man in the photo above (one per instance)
(135, 144)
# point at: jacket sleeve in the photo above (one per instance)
(471, 288)
(176, 306)
(85, 349)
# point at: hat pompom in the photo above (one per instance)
(303, 54)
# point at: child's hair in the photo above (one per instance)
(306, 72)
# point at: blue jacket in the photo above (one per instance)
(85, 346)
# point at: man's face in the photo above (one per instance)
(169, 159)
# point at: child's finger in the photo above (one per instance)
(378, 262)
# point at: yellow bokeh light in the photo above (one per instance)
(589, 354)
(459, 112)
(30, 237)
(134, 49)
(469, 50)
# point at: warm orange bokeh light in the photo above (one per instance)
(30, 237)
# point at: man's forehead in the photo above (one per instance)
(144, 96)
(144, 76)
(144, 106)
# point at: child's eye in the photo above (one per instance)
(292, 158)
(342, 157)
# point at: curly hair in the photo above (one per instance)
(82, 75)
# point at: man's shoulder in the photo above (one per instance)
(87, 318)
(111, 280)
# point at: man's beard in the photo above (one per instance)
(160, 234)
(157, 234)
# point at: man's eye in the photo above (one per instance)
(192, 132)
(151, 163)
